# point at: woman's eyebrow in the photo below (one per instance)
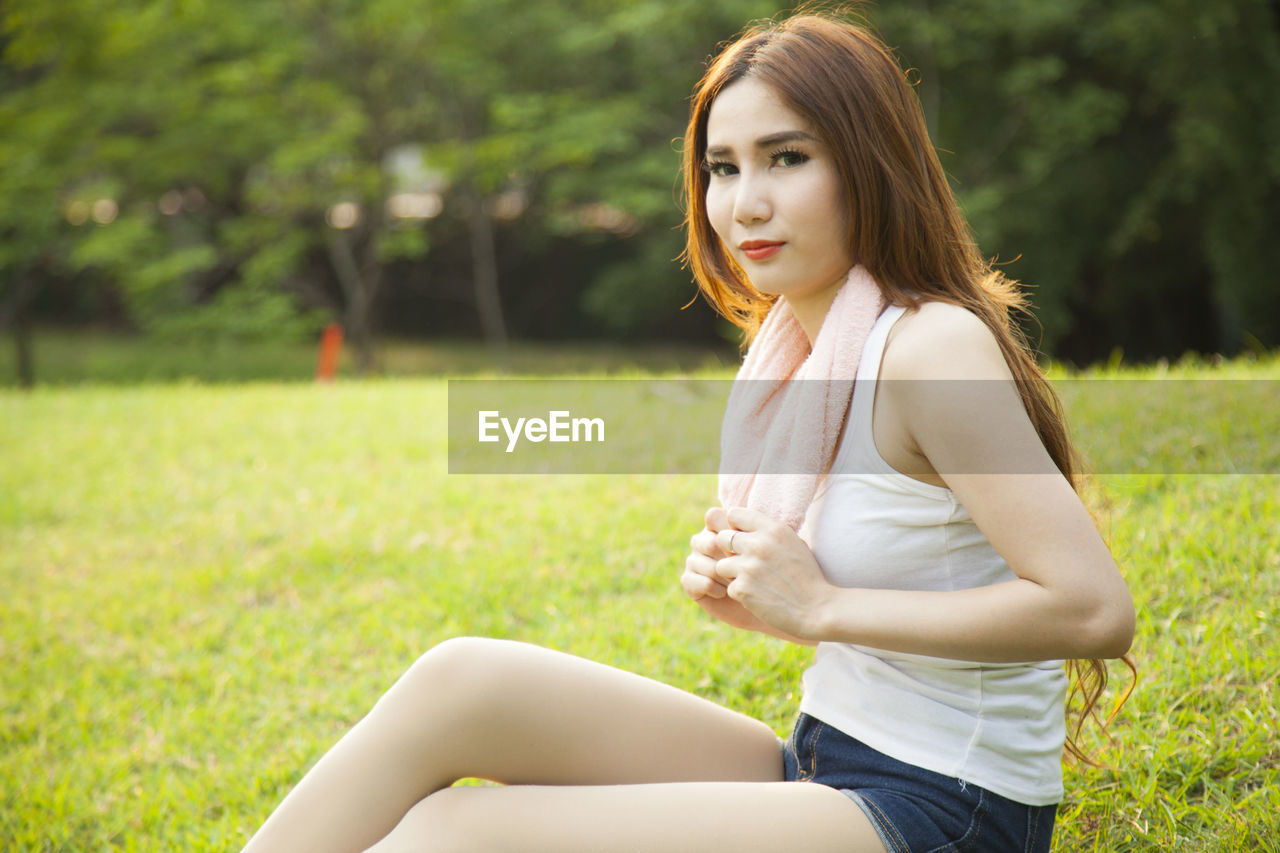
(769, 141)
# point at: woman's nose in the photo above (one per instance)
(751, 202)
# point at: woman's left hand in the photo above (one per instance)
(770, 570)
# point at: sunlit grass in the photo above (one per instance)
(202, 586)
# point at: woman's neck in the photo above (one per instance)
(810, 310)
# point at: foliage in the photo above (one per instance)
(1123, 153)
(167, 150)
(221, 134)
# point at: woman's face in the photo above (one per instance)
(774, 196)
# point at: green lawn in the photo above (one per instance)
(202, 586)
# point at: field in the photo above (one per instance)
(203, 585)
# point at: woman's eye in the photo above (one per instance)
(790, 158)
(720, 168)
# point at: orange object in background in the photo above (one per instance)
(330, 348)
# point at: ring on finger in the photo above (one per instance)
(733, 536)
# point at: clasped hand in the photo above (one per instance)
(755, 573)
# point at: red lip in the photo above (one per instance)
(758, 250)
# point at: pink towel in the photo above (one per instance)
(779, 437)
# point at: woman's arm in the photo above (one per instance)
(1068, 601)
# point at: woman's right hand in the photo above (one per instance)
(701, 583)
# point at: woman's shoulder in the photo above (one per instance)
(940, 340)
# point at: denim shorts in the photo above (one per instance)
(914, 810)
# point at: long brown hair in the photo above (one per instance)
(904, 225)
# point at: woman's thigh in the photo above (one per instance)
(521, 714)
(696, 817)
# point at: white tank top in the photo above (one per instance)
(999, 726)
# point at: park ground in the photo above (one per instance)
(204, 583)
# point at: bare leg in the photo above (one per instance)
(516, 714)
(687, 817)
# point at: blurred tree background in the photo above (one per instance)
(497, 169)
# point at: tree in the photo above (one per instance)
(237, 144)
(224, 167)
(1127, 163)
(35, 144)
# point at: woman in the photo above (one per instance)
(818, 218)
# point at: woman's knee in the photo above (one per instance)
(462, 658)
(460, 671)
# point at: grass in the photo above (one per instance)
(202, 586)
